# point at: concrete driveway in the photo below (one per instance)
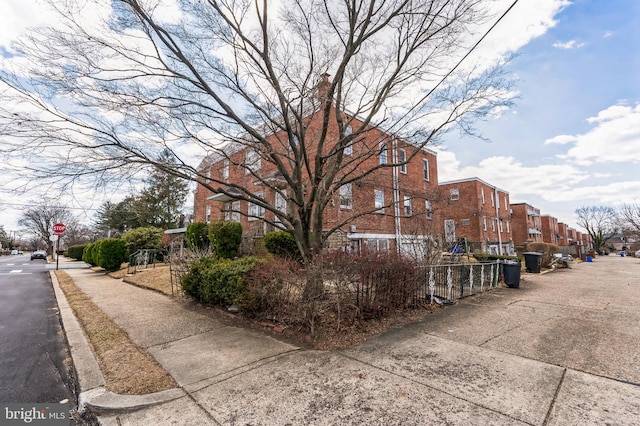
(560, 350)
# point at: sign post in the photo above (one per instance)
(58, 230)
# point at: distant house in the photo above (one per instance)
(526, 224)
(477, 211)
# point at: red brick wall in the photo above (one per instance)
(549, 229)
(412, 184)
(522, 221)
(469, 212)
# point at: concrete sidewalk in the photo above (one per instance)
(561, 350)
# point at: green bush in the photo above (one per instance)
(88, 254)
(226, 238)
(282, 243)
(111, 253)
(76, 252)
(197, 236)
(141, 238)
(219, 282)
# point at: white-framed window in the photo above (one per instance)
(408, 210)
(256, 211)
(465, 222)
(428, 209)
(484, 223)
(252, 161)
(506, 206)
(425, 169)
(227, 212)
(493, 201)
(225, 170)
(383, 153)
(508, 227)
(207, 214)
(493, 224)
(378, 200)
(348, 150)
(381, 245)
(235, 211)
(454, 194)
(346, 196)
(281, 202)
(500, 227)
(482, 195)
(207, 176)
(402, 157)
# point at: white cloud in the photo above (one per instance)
(615, 137)
(571, 44)
(560, 140)
(607, 34)
(525, 22)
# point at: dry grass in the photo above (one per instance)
(158, 279)
(127, 368)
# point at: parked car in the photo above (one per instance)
(14, 252)
(39, 254)
(637, 253)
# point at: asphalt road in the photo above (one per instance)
(33, 351)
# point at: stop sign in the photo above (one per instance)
(59, 228)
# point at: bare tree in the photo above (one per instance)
(600, 222)
(39, 218)
(105, 99)
(629, 214)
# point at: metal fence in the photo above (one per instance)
(450, 282)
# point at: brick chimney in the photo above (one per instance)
(323, 88)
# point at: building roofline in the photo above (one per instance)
(472, 179)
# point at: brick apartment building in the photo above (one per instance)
(388, 209)
(563, 234)
(478, 211)
(526, 224)
(549, 229)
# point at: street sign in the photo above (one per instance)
(59, 228)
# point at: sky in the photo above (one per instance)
(572, 139)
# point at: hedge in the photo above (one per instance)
(76, 252)
(197, 236)
(282, 243)
(112, 253)
(226, 238)
(219, 282)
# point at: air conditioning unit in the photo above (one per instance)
(352, 229)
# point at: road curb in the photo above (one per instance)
(93, 394)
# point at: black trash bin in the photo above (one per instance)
(532, 261)
(511, 271)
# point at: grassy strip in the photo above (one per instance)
(127, 368)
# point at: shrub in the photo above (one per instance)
(197, 236)
(76, 252)
(88, 254)
(140, 238)
(111, 253)
(282, 243)
(219, 282)
(226, 238)
(546, 249)
(191, 281)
